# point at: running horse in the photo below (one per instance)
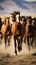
(0, 29)
(29, 32)
(17, 30)
(5, 30)
(0, 24)
(34, 30)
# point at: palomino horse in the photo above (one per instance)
(5, 30)
(29, 32)
(18, 31)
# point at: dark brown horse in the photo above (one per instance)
(1, 23)
(34, 30)
(29, 32)
(0, 26)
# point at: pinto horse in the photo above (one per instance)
(18, 31)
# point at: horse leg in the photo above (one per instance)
(28, 43)
(15, 46)
(19, 45)
(5, 40)
(25, 39)
(0, 38)
(9, 38)
(8, 41)
(32, 42)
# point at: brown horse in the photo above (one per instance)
(29, 32)
(18, 31)
(1, 23)
(34, 30)
(5, 30)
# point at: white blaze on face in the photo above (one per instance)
(17, 17)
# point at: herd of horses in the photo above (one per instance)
(21, 28)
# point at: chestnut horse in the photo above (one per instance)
(5, 30)
(18, 31)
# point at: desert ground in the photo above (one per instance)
(25, 57)
(17, 60)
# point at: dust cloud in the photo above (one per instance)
(10, 49)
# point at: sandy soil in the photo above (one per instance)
(8, 57)
(17, 60)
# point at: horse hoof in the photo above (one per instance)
(16, 53)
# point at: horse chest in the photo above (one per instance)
(26, 28)
(14, 28)
(3, 29)
(29, 29)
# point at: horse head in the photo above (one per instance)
(29, 20)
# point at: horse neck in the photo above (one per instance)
(22, 23)
(5, 24)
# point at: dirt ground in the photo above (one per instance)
(17, 60)
(25, 57)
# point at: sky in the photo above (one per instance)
(24, 6)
